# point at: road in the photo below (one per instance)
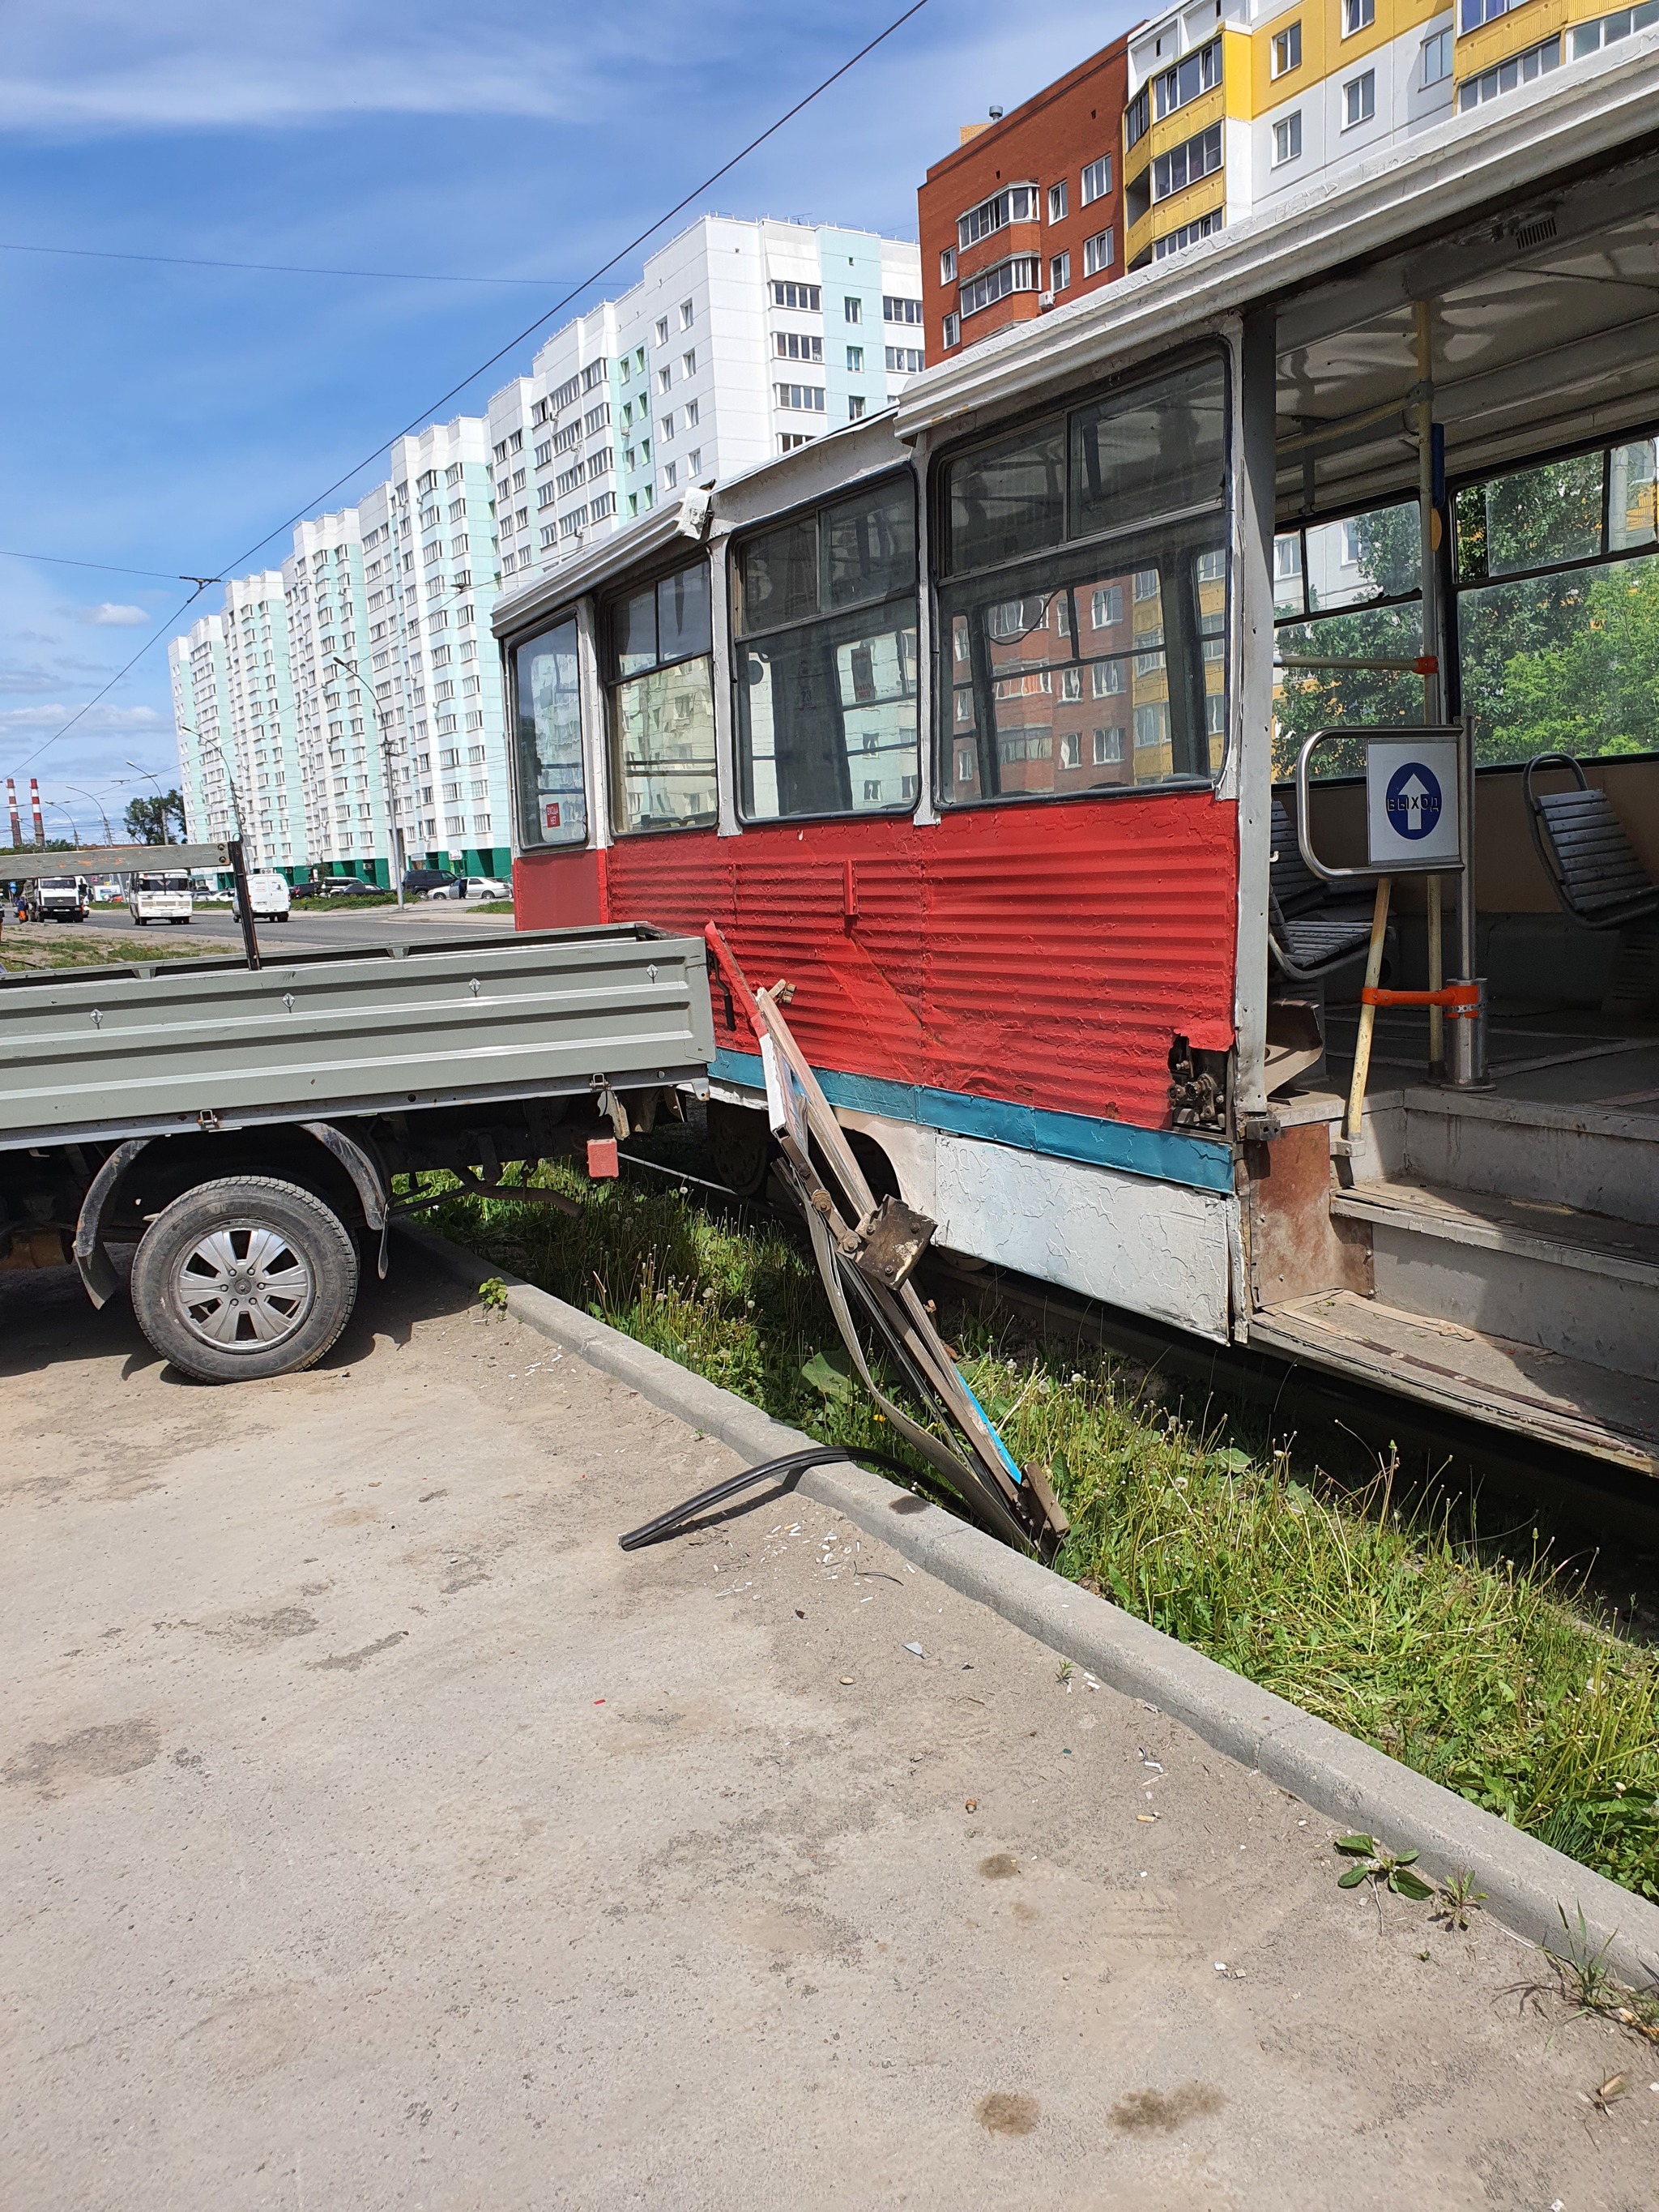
(313, 929)
(376, 1834)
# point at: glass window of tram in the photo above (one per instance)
(662, 704)
(552, 797)
(1085, 609)
(825, 623)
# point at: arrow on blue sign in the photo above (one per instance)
(1412, 802)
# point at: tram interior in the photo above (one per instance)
(1500, 1243)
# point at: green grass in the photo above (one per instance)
(1476, 1661)
(55, 944)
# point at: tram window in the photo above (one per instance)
(825, 657)
(1148, 452)
(1351, 587)
(552, 797)
(1055, 629)
(1558, 605)
(662, 705)
(1008, 499)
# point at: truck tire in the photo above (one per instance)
(243, 1278)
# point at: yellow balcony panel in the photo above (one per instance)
(1184, 206)
(1186, 123)
(1521, 27)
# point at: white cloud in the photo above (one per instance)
(95, 65)
(109, 614)
(24, 721)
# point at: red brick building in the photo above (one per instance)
(1026, 213)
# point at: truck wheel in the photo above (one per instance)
(244, 1279)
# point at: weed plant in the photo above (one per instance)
(1479, 1662)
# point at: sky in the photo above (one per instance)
(168, 419)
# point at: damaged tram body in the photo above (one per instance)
(979, 722)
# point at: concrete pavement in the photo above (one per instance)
(375, 1833)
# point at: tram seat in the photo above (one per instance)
(1581, 845)
(1309, 932)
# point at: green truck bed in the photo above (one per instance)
(153, 1049)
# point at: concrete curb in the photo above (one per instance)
(1530, 1887)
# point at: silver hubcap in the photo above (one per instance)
(243, 1289)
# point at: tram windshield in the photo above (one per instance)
(1083, 627)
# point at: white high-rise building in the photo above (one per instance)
(742, 340)
(239, 757)
(355, 702)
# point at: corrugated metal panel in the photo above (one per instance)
(1044, 954)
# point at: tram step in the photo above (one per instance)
(1584, 1285)
(1490, 1378)
(1602, 1157)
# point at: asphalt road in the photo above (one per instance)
(312, 927)
(375, 1834)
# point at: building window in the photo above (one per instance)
(1060, 272)
(1287, 139)
(1359, 100)
(904, 361)
(855, 408)
(662, 331)
(1193, 75)
(1021, 274)
(901, 310)
(803, 399)
(605, 505)
(789, 439)
(1519, 69)
(1189, 233)
(662, 704)
(693, 463)
(670, 476)
(951, 329)
(1286, 49)
(664, 379)
(1013, 204)
(1057, 201)
(825, 613)
(1097, 254)
(1097, 180)
(804, 299)
(1358, 15)
(1194, 158)
(1108, 746)
(796, 345)
(1138, 117)
(688, 314)
(1586, 38)
(1437, 57)
(947, 266)
(853, 307)
(855, 360)
(689, 363)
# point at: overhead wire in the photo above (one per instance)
(427, 412)
(109, 568)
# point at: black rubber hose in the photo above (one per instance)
(789, 1469)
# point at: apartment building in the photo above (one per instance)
(234, 706)
(742, 340)
(1024, 214)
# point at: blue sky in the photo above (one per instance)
(167, 418)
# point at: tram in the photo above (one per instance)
(1030, 732)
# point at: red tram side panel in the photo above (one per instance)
(1041, 957)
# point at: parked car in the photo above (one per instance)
(428, 880)
(473, 887)
(267, 897)
(53, 898)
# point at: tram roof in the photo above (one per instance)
(1503, 163)
(1581, 158)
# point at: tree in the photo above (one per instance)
(153, 820)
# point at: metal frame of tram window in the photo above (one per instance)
(1210, 348)
(606, 599)
(1646, 426)
(741, 534)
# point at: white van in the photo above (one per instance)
(160, 897)
(267, 895)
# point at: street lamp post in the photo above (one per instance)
(109, 834)
(388, 746)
